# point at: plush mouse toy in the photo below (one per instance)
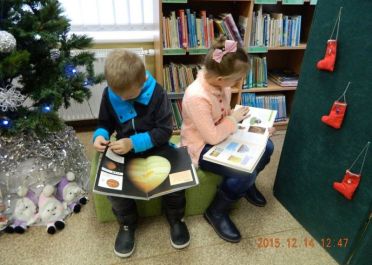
(70, 193)
(24, 211)
(51, 211)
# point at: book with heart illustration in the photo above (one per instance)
(145, 176)
(244, 149)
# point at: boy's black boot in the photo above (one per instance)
(174, 206)
(217, 216)
(255, 197)
(180, 236)
(124, 243)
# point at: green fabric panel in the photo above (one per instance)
(363, 255)
(315, 155)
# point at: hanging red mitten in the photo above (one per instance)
(329, 60)
(337, 114)
(348, 184)
(351, 180)
(328, 63)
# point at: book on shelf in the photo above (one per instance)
(275, 102)
(243, 149)
(232, 28)
(177, 113)
(257, 74)
(185, 28)
(285, 78)
(242, 24)
(275, 29)
(177, 77)
(159, 172)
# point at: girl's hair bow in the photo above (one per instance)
(230, 46)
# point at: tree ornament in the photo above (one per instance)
(328, 62)
(7, 42)
(70, 70)
(55, 54)
(10, 99)
(5, 122)
(351, 180)
(37, 37)
(87, 82)
(338, 111)
(46, 108)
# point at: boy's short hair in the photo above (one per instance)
(124, 69)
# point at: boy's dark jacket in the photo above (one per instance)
(147, 119)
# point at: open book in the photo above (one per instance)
(164, 170)
(244, 149)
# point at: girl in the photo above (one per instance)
(208, 120)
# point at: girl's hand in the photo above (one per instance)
(100, 144)
(240, 114)
(271, 131)
(121, 146)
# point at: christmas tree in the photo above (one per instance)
(39, 70)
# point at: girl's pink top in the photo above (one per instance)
(205, 111)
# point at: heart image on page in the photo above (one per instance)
(148, 173)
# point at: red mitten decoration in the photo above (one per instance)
(328, 63)
(336, 116)
(348, 185)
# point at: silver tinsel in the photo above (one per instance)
(34, 161)
(7, 42)
(10, 98)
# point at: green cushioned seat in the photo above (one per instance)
(197, 198)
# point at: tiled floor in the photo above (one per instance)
(85, 241)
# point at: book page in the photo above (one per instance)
(243, 149)
(114, 157)
(238, 154)
(110, 180)
(180, 177)
(143, 176)
(259, 117)
(111, 171)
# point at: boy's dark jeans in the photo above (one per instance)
(236, 183)
(125, 209)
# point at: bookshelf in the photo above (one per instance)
(277, 57)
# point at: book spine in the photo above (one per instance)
(194, 29)
(211, 31)
(173, 30)
(188, 14)
(164, 33)
(181, 14)
(203, 15)
(299, 30)
(229, 20)
(198, 32)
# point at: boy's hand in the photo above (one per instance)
(121, 146)
(240, 113)
(100, 144)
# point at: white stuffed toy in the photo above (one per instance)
(24, 211)
(51, 211)
(70, 193)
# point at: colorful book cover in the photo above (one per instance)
(144, 176)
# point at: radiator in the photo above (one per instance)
(88, 110)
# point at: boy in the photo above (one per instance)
(137, 108)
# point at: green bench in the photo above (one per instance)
(197, 198)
